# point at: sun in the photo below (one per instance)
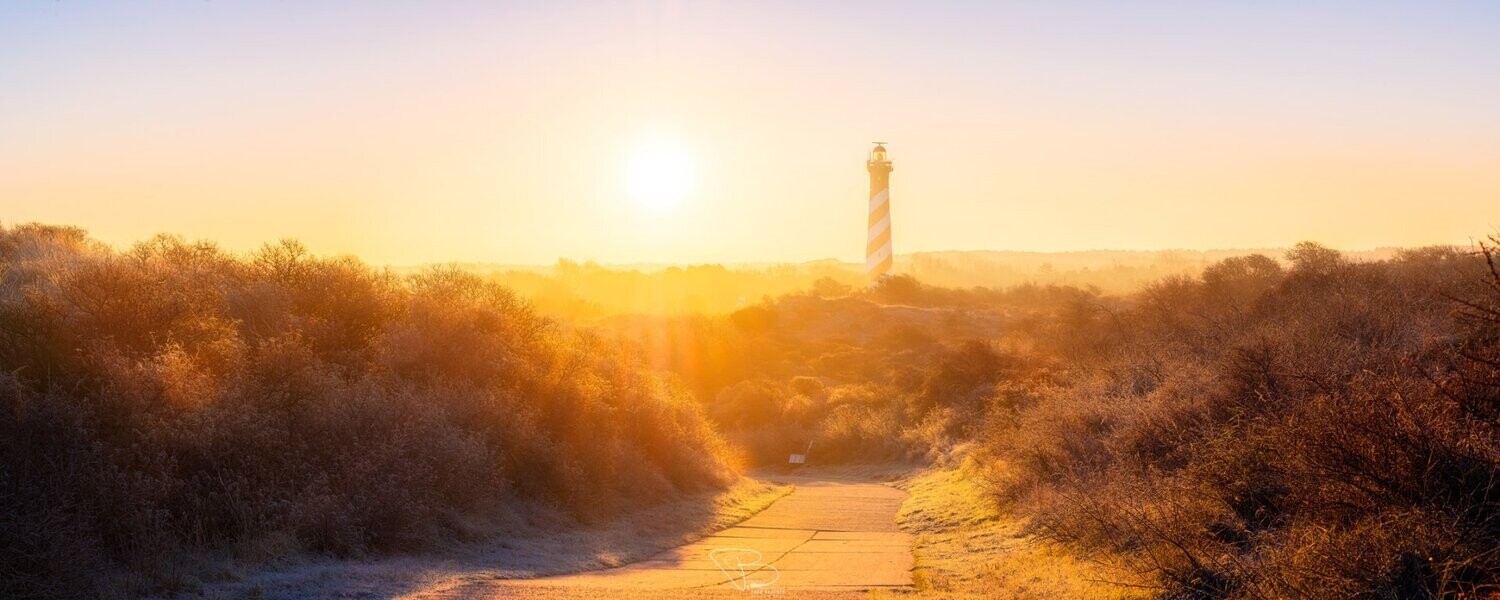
(659, 174)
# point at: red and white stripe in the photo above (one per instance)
(878, 253)
(878, 241)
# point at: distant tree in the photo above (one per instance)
(754, 319)
(899, 289)
(828, 287)
(1314, 258)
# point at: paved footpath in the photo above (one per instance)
(827, 535)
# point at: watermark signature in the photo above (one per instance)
(746, 570)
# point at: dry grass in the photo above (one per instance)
(469, 570)
(968, 547)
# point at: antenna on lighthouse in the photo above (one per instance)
(878, 252)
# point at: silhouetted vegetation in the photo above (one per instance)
(173, 400)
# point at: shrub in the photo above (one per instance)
(175, 399)
(1326, 430)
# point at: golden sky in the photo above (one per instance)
(736, 131)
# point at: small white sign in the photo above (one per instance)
(797, 459)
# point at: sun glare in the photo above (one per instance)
(659, 174)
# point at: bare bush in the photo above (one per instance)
(175, 399)
(1326, 430)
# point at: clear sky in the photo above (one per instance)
(647, 131)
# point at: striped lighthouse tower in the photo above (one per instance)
(878, 254)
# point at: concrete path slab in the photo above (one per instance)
(828, 534)
(761, 532)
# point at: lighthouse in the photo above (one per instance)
(878, 239)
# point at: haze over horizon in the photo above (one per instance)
(672, 132)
